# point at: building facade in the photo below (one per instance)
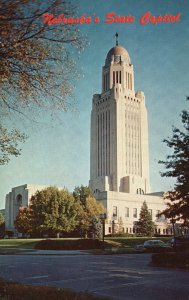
(119, 155)
(18, 197)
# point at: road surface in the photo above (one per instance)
(121, 277)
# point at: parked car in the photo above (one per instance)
(156, 246)
(180, 242)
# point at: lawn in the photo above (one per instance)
(122, 244)
(18, 243)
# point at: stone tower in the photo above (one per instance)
(119, 158)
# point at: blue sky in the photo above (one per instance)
(57, 153)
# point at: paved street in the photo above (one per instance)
(124, 277)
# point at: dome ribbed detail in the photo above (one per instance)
(118, 54)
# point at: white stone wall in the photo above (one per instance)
(122, 201)
(18, 197)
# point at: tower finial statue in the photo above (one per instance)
(116, 35)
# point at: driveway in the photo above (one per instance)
(117, 276)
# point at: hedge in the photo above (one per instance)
(81, 244)
(171, 259)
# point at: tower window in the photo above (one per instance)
(115, 211)
(158, 217)
(106, 82)
(127, 212)
(128, 82)
(113, 77)
(19, 200)
(134, 212)
(116, 76)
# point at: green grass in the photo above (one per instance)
(16, 291)
(18, 243)
(22, 243)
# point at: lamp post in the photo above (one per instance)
(113, 227)
(173, 221)
(103, 218)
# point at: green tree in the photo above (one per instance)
(145, 224)
(2, 225)
(95, 228)
(55, 211)
(1, 218)
(24, 222)
(51, 211)
(177, 166)
(89, 223)
(38, 63)
(81, 193)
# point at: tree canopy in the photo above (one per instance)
(91, 216)
(81, 193)
(2, 220)
(177, 166)
(9, 141)
(38, 62)
(145, 224)
(24, 221)
(52, 211)
(91, 209)
(2, 225)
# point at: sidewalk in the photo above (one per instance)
(22, 251)
(55, 252)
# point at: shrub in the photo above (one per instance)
(171, 259)
(81, 244)
(120, 235)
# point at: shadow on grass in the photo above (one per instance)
(16, 291)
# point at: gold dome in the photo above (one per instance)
(118, 54)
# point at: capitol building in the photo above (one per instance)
(119, 155)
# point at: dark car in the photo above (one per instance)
(156, 246)
(180, 242)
